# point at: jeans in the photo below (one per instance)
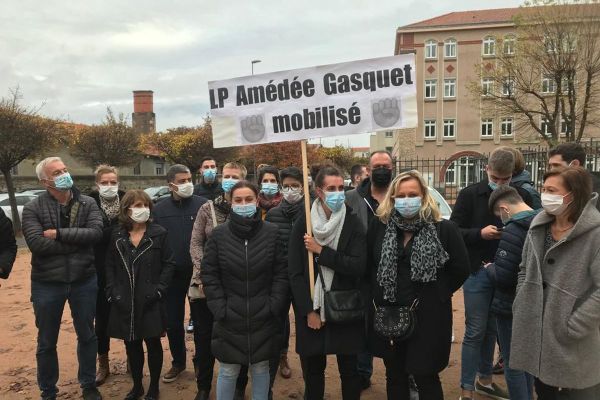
(102, 313)
(228, 374)
(365, 365)
(175, 305)
(48, 304)
(520, 383)
(480, 331)
(203, 358)
(313, 369)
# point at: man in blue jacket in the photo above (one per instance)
(506, 203)
(177, 214)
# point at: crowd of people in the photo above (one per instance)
(385, 268)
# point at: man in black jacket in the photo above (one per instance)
(209, 186)
(61, 227)
(516, 216)
(481, 231)
(8, 246)
(177, 214)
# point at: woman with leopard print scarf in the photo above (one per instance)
(415, 255)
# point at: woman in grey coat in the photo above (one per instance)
(556, 325)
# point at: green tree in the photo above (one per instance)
(339, 155)
(24, 134)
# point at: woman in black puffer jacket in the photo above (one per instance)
(245, 282)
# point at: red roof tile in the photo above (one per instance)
(500, 15)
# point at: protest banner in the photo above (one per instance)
(329, 100)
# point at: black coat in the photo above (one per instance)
(472, 213)
(208, 191)
(285, 215)
(133, 281)
(246, 287)
(102, 246)
(428, 349)
(504, 270)
(177, 217)
(349, 263)
(8, 246)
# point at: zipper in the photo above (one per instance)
(131, 287)
(248, 302)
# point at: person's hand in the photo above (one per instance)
(314, 320)
(311, 245)
(50, 234)
(485, 265)
(490, 232)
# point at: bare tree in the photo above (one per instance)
(548, 76)
(23, 134)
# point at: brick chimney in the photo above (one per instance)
(143, 117)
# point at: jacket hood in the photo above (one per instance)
(588, 220)
(523, 177)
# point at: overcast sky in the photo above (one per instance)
(78, 57)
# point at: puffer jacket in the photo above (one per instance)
(246, 287)
(523, 181)
(132, 283)
(505, 268)
(285, 216)
(70, 258)
(8, 246)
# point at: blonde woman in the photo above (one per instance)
(415, 259)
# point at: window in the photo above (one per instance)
(137, 170)
(487, 86)
(389, 134)
(431, 49)
(508, 87)
(430, 128)
(450, 48)
(430, 88)
(549, 44)
(450, 88)
(14, 170)
(451, 174)
(487, 128)
(564, 84)
(159, 169)
(564, 127)
(506, 126)
(545, 126)
(489, 46)
(449, 128)
(509, 45)
(389, 149)
(548, 84)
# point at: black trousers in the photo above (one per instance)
(135, 355)
(397, 380)
(102, 312)
(547, 392)
(175, 303)
(204, 361)
(313, 369)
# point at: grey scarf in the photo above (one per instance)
(427, 254)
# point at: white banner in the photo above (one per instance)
(329, 100)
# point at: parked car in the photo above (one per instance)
(22, 199)
(441, 202)
(34, 192)
(157, 192)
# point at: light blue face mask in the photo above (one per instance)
(493, 185)
(63, 182)
(228, 184)
(209, 175)
(335, 200)
(244, 210)
(269, 189)
(408, 207)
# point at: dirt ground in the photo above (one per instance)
(18, 367)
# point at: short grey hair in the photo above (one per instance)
(40, 169)
(502, 161)
(176, 169)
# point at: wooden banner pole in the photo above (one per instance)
(311, 268)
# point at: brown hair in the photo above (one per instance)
(578, 182)
(244, 184)
(129, 199)
(105, 169)
(519, 161)
(502, 161)
(325, 171)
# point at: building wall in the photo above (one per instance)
(382, 141)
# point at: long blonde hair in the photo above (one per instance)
(429, 208)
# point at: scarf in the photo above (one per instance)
(266, 203)
(110, 207)
(327, 234)
(427, 255)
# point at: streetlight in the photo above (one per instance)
(254, 62)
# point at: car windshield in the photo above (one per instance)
(442, 204)
(153, 190)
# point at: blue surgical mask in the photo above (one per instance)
(63, 182)
(270, 189)
(408, 207)
(209, 175)
(244, 210)
(228, 183)
(335, 200)
(493, 185)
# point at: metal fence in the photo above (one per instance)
(450, 176)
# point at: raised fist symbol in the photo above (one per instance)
(386, 112)
(253, 128)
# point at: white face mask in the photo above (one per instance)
(108, 191)
(185, 190)
(554, 204)
(292, 195)
(140, 214)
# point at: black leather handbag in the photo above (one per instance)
(395, 323)
(342, 306)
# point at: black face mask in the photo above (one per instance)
(381, 177)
